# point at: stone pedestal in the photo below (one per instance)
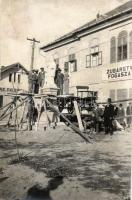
(49, 91)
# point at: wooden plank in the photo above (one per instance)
(69, 123)
(78, 116)
(1, 118)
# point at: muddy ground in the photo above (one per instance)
(57, 164)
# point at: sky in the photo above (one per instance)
(44, 20)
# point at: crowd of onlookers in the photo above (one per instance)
(109, 117)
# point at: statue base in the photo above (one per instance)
(49, 91)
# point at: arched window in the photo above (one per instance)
(130, 45)
(122, 46)
(113, 50)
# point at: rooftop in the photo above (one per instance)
(15, 65)
(127, 7)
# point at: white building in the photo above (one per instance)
(98, 54)
(13, 78)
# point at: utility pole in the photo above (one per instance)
(30, 99)
(33, 48)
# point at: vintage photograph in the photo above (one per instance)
(65, 99)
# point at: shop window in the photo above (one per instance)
(130, 93)
(122, 46)
(113, 50)
(130, 45)
(19, 78)
(66, 67)
(112, 95)
(10, 77)
(122, 94)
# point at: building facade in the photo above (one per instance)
(98, 55)
(13, 78)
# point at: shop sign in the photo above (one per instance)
(119, 72)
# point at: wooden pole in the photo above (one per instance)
(33, 48)
(30, 106)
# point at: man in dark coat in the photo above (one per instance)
(60, 81)
(56, 73)
(41, 77)
(108, 117)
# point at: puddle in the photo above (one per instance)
(38, 193)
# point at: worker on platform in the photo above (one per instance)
(60, 81)
(34, 80)
(30, 81)
(41, 77)
(56, 73)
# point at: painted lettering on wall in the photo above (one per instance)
(119, 72)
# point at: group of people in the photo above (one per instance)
(36, 80)
(112, 116)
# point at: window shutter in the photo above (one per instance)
(130, 45)
(66, 67)
(113, 50)
(122, 46)
(10, 77)
(88, 63)
(19, 78)
(112, 95)
(75, 66)
(14, 76)
(100, 58)
(71, 57)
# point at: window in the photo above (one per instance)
(95, 57)
(14, 76)
(1, 101)
(122, 46)
(130, 93)
(73, 66)
(71, 57)
(130, 45)
(112, 95)
(122, 94)
(88, 63)
(19, 78)
(56, 61)
(66, 67)
(10, 77)
(113, 50)
(73, 62)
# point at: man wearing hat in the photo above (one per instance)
(41, 77)
(60, 81)
(34, 80)
(108, 117)
(30, 81)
